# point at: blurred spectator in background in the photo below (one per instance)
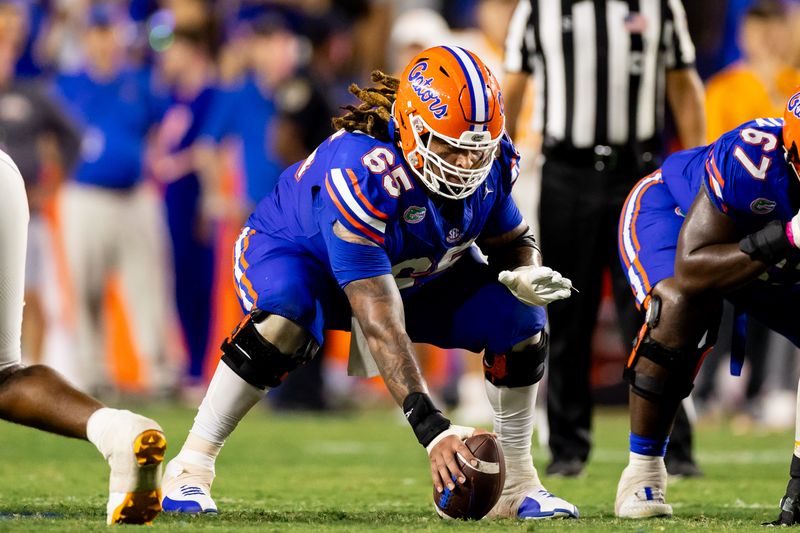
(44, 143)
(717, 43)
(244, 116)
(794, 22)
(303, 116)
(60, 46)
(190, 13)
(233, 59)
(372, 20)
(112, 219)
(763, 79)
(756, 86)
(333, 61)
(487, 37)
(192, 92)
(35, 13)
(412, 32)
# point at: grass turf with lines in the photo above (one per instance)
(365, 472)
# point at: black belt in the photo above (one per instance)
(604, 156)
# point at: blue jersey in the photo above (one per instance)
(744, 173)
(245, 113)
(116, 116)
(366, 185)
(190, 116)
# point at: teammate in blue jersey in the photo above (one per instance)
(381, 223)
(717, 221)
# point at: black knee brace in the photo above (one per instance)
(258, 361)
(681, 364)
(517, 369)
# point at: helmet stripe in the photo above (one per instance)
(483, 102)
(475, 84)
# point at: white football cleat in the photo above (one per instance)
(137, 451)
(533, 504)
(187, 489)
(641, 493)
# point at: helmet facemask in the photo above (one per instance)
(441, 177)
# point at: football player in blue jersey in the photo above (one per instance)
(717, 221)
(381, 223)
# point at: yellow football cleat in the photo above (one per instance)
(135, 482)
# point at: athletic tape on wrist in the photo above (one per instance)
(425, 419)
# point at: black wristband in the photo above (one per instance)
(769, 244)
(425, 419)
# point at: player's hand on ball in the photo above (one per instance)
(536, 285)
(442, 454)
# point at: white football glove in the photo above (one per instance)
(536, 285)
(462, 432)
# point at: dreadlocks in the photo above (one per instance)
(373, 115)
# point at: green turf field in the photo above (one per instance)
(364, 473)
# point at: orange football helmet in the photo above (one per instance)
(791, 132)
(447, 94)
(791, 122)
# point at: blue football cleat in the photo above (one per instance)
(533, 503)
(542, 504)
(187, 491)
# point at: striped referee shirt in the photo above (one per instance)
(599, 65)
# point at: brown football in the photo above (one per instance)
(475, 497)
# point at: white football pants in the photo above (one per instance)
(14, 218)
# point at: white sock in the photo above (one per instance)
(646, 463)
(197, 451)
(227, 400)
(513, 424)
(100, 426)
(113, 431)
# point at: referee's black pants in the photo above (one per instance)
(578, 216)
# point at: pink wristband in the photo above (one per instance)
(790, 234)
